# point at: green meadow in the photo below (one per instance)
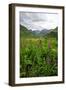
(38, 53)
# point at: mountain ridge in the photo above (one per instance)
(36, 33)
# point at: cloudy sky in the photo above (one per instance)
(39, 21)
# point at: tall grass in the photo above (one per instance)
(38, 57)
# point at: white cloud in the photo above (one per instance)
(38, 21)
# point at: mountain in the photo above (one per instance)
(53, 33)
(24, 32)
(36, 32)
(44, 32)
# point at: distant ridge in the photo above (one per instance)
(36, 33)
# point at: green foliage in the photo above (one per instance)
(36, 58)
(25, 32)
(53, 33)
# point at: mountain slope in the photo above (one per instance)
(24, 32)
(53, 33)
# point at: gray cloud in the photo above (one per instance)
(38, 20)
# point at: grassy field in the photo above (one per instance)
(38, 57)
